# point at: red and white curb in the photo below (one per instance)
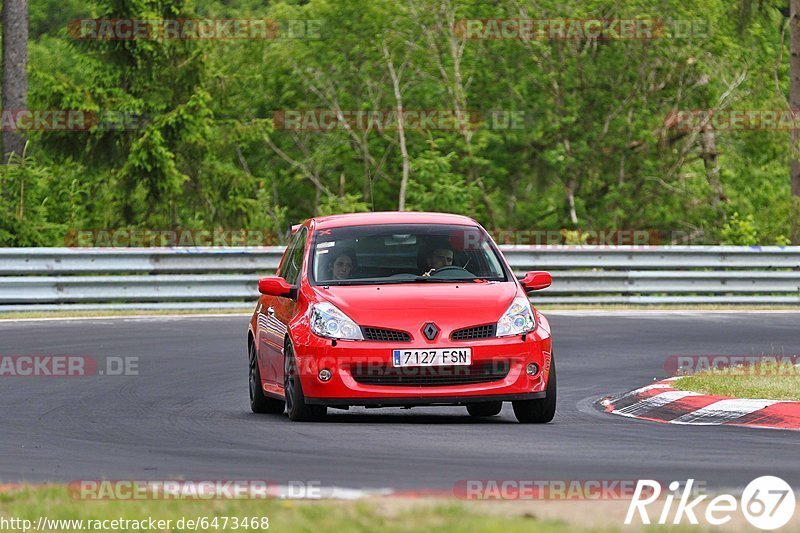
(660, 402)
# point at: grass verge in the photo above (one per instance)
(769, 381)
(54, 502)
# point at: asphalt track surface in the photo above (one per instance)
(186, 414)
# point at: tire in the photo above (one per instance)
(296, 406)
(539, 411)
(259, 402)
(484, 408)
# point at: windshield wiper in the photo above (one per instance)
(416, 279)
(444, 280)
(366, 282)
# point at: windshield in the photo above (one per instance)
(404, 253)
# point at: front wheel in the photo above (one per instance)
(296, 406)
(539, 411)
(484, 408)
(259, 402)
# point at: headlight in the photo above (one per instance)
(328, 321)
(517, 319)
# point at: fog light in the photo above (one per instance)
(325, 375)
(532, 369)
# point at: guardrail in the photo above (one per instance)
(194, 278)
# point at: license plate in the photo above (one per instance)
(433, 357)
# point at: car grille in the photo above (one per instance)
(385, 335)
(475, 332)
(430, 376)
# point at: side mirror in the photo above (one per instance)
(536, 280)
(274, 286)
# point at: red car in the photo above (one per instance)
(403, 310)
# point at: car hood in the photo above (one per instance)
(409, 306)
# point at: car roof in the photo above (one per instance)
(391, 217)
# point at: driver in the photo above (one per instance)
(440, 257)
(342, 264)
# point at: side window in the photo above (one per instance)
(295, 258)
(286, 260)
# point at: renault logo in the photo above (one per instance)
(430, 330)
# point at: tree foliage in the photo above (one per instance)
(573, 133)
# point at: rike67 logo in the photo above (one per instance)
(767, 503)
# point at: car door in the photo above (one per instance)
(270, 330)
(281, 310)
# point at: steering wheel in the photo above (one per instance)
(451, 268)
(446, 268)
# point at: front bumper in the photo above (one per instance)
(424, 400)
(315, 353)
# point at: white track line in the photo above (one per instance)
(654, 402)
(722, 411)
